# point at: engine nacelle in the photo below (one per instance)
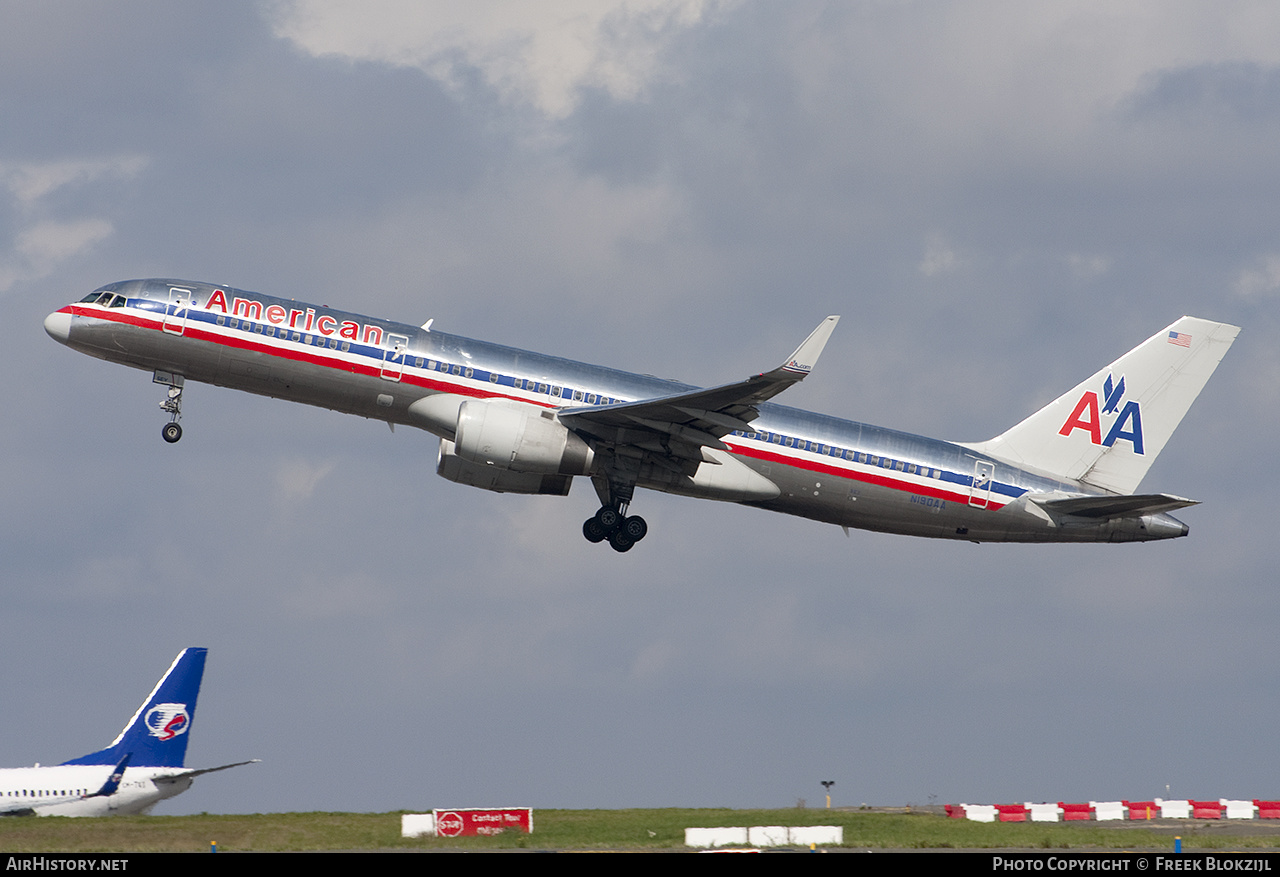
(522, 438)
(453, 468)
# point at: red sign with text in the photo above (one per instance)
(473, 822)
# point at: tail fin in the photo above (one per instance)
(1108, 430)
(156, 736)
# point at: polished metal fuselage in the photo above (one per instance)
(826, 469)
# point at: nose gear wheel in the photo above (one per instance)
(172, 405)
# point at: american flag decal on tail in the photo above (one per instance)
(1182, 339)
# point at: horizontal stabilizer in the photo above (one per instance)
(189, 774)
(1116, 506)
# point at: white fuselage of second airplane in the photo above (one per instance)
(791, 461)
(59, 790)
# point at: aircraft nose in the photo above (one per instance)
(58, 325)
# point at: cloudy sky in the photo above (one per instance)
(998, 197)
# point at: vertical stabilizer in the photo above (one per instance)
(156, 736)
(1108, 430)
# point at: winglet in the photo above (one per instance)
(806, 356)
(112, 785)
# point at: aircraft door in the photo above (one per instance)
(393, 357)
(983, 474)
(175, 313)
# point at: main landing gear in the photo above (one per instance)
(172, 430)
(613, 524)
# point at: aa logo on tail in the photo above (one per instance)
(1089, 412)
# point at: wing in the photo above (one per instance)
(697, 418)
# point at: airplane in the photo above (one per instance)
(137, 770)
(513, 421)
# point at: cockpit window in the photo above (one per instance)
(118, 302)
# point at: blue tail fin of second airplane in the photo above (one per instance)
(156, 736)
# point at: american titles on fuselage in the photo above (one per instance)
(277, 315)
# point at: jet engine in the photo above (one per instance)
(453, 468)
(518, 437)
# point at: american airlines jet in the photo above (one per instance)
(140, 768)
(519, 422)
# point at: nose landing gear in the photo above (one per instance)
(172, 431)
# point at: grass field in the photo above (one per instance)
(605, 830)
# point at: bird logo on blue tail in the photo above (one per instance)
(168, 720)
